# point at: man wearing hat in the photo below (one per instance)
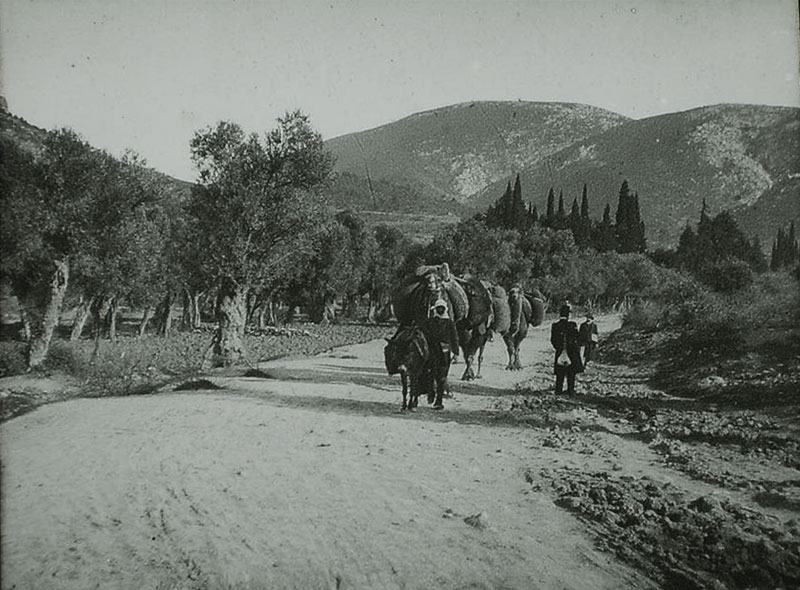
(587, 337)
(567, 362)
(440, 331)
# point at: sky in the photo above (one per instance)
(146, 75)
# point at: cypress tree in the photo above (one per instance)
(637, 226)
(757, 260)
(584, 204)
(561, 211)
(785, 249)
(574, 212)
(517, 190)
(623, 219)
(774, 260)
(518, 218)
(604, 236)
(629, 225)
(551, 201)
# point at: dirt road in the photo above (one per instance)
(310, 477)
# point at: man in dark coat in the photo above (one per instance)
(587, 338)
(440, 331)
(567, 362)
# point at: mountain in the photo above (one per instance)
(446, 155)
(741, 158)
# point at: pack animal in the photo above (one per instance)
(474, 328)
(422, 368)
(524, 310)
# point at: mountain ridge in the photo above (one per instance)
(744, 158)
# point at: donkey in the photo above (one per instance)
(410, 354)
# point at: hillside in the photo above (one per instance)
(740, 158)
(30, 138)
(458, 159)
(448, 154)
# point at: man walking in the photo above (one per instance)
(587, 338)
(567, 362)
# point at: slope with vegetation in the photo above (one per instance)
(741, 158)
(450, 153)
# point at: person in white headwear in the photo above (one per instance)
(440, 331)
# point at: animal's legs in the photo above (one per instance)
(404, 379)
(414, 393)
(510, 351)
(517, 363)
(441, 385)
(480, 360)
(469, 373)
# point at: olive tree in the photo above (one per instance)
(254, 213)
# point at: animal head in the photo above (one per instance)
(439, 309)
(433, 282)
(406, 351)
(515, 291)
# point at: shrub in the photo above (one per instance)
(727, 323)
(12, 358)
(643, 316)
(728, 275)
(712, 337)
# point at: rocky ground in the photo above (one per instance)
(303, 473)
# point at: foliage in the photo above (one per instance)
(718, 253)
(785, 249)
(254, 216)
(510, 212)
(627, 234)
(715, 323)
(629, 226)
(338, 266)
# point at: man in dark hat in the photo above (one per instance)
(587, 338)
(567, 363)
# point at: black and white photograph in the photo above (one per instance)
(399, 295)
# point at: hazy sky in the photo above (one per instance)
(147, 74)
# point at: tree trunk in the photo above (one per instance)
(81, 315)
(196, 310)
(372, 309)
(186, 310)
(164, 315)
(262, 316)
(252, 303)
(39, 343)
(111, 320)
(190, 316)
(100, 308)
(26, 322)
(146, 314)
(231, 311)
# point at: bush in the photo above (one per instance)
(713, 338)
(643, 316)
(728, 275)
(717, 324)
(12, 358)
